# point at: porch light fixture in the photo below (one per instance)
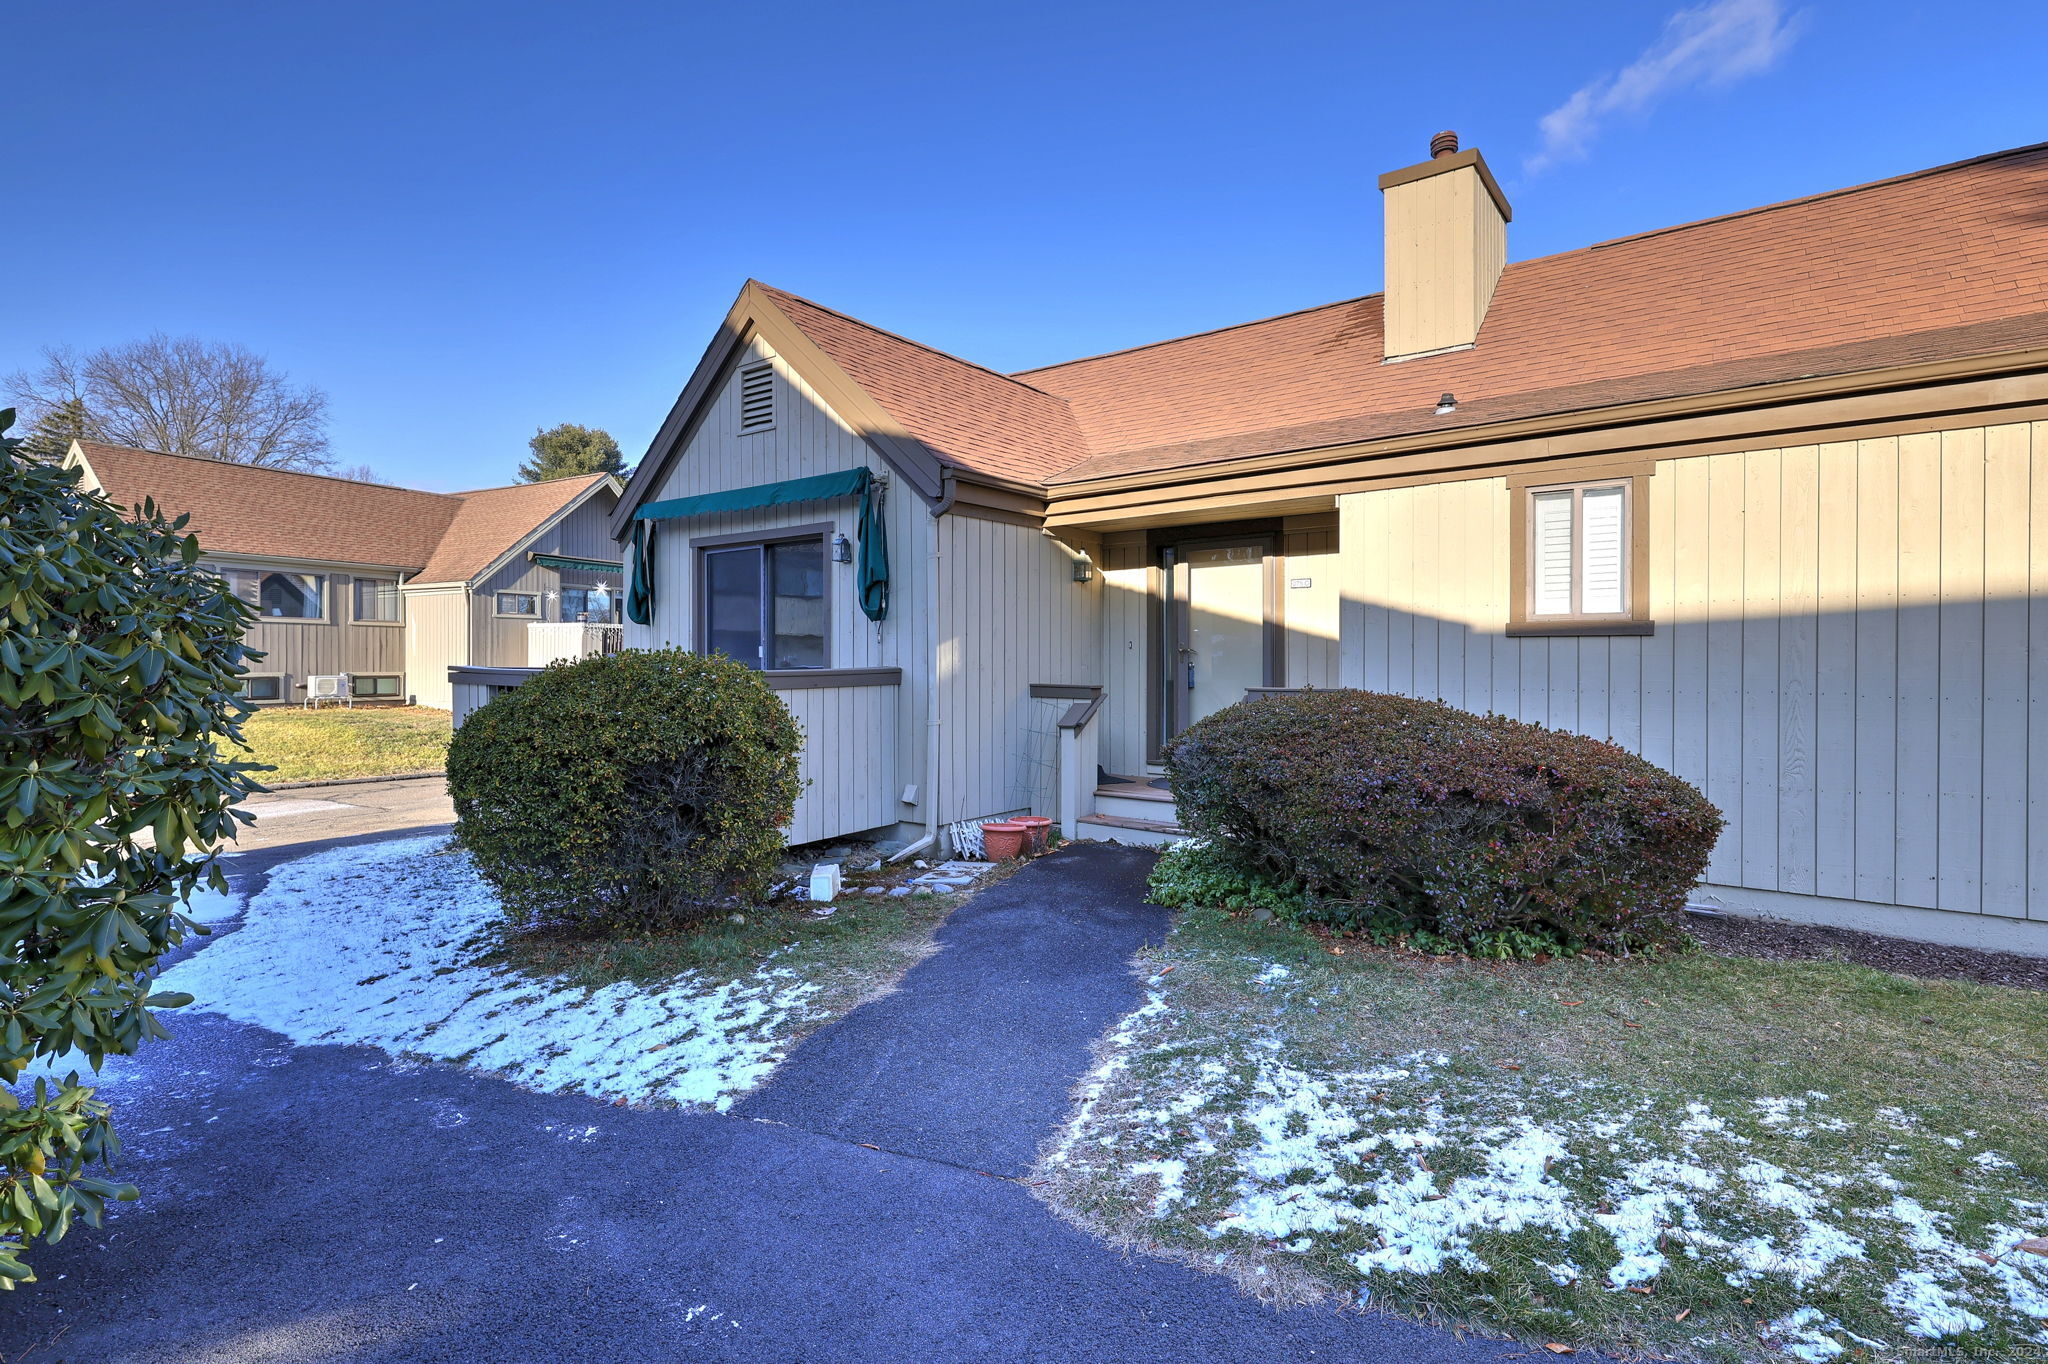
(1083, 569)
(1447, 403)
(842, 549)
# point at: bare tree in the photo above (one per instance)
(361, 473)
(183, 396)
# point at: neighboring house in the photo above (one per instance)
(1763, 498)
(390, 585)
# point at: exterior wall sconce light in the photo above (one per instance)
(1083, 570)
(842, 549)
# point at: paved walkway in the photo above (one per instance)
(345, 810)
(328, 1203)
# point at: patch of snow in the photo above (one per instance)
(1170, 1174)
(1991, 1160)
(368, 945)
(1925, 1310)
(1810, 1334)
(210, 906)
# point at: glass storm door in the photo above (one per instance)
(1218, 614)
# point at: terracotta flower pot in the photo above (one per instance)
(1040, 830)
(1003, 839)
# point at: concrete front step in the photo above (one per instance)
(1157, 808)
(1146, 833)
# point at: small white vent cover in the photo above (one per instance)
(757, 397)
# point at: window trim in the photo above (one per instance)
(1522, 488)
(397, 692)
(821, 531)
(537, 613)
(354, 605)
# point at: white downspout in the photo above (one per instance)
(933, 719)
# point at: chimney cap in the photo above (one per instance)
(1444, 143)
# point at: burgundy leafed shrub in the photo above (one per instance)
(1387, 809)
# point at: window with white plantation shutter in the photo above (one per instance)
(757, 398)
(1580, 554)
(1603, 556)
(1550, 559)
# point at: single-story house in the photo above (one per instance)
(391, 586)
(1763, 498)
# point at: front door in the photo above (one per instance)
(1219, 623)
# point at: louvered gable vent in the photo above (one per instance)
(757, 397)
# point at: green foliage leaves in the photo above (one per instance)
(630, 792)
(119, 663)
(1399, 817)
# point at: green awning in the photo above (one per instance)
(575, 565)
(874, 535)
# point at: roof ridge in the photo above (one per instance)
(266, 468)
(1206, 331)
(1798, 200)
(910, 341)
(535, 483)
(1571, 251)
(236, 463)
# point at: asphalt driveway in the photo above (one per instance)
(332, 1203)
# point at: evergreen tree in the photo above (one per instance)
(568, 450)
(56, 429)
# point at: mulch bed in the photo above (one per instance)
(1777, 940)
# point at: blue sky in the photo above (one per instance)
(465, 220)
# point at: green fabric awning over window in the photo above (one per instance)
(574, 565)
(873, 558)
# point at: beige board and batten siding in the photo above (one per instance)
(1841, 663)
(1309, 599)
(1011, 614)
(585, 533)
(877, 739)
(436, 639)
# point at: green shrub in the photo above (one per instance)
(1199, 874)
(1396, 815)
(119, 667)
(628, 792)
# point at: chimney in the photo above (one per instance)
(1446, 242)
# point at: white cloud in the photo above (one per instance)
(1713, 44)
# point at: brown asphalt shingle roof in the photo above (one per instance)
(282, 514)
(1938, 264)
(965, 414)
(492, 520)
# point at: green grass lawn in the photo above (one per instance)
(1695, 1155)
(367, 741)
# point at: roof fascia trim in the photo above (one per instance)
(754, 314)
(1848, 384)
